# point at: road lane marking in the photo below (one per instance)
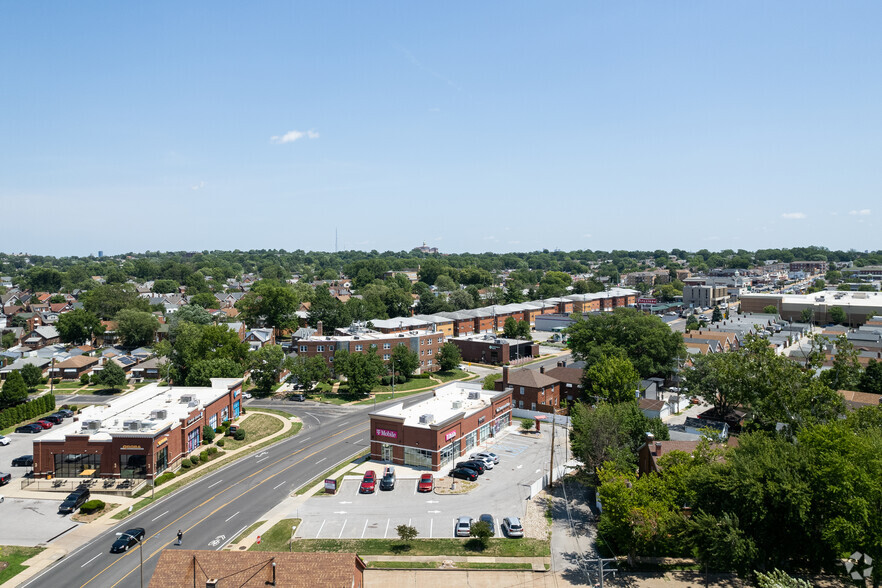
(319, 532)
(341, 529)
(90, 561)
(321, 460)
(207, 500)
(216, 483)
(228, 520)
(363, 531)
(279, 485)
(159, 517)
(262, 459)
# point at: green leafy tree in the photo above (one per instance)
(721, 542)
(202, 371)
(646, 340)
(779, 579)
(838, 316)
(510, 328)
(267, 364)
(405, 361)
(112, 376)
(46, 279)
(482, 532)
(449, 357)
(14, 391)
(270, 304)
(136, 328)
(770, 309)
(362, 370)
(445, 283)
(806, 315)
(845, 373)
(310, 370)
(190, 313)
(612, 378)
(57, 299)
(205, 300)
(490, 381)
(7, 340)
(406, 533)
(165, 286)
(871, 379)
(105, 301)
(32, 375)
(78, 326)
(717, 315)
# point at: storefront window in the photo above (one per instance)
(236, 409)
(470, 440)
(161, 461)
(421, 458)
(132, 466)
(387, 452)
(212, 422)
(449, 453)
(225, 413)
(485, 432)
(77, 465)
(193, 440)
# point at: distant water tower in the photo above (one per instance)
(100, 254)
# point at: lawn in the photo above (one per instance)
(459, 565)
(497, 547)
(390, 396)
(331, 398)
(256, 426)
(454, 374)
(414, 384)
(246, 532)
(278, 537)
(14, 557)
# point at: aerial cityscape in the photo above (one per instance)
(507, 294)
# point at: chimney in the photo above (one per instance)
(504, 377)
(542, 369)
(211, 583)
(318, 329)
(658, 448)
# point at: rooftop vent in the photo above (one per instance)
(474, 395)
(92, 425)
(159, 414)
(132, 425)
(188, 398)
(427, 419)
(457, 404)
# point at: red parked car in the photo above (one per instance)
(426, 484)
(368, 483)
(45, 424)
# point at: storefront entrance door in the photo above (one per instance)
(387, 452)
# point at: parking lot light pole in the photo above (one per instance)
(140, 552)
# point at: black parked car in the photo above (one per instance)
(64, 413)
(54, 419)
(24, 461)
(74, 500)
(127, 539)
(31, 428)
(5, 478)
(472, 465)
(464, 474)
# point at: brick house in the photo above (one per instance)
(531, 389)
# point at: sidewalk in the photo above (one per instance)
(85, 532)
(538, 563)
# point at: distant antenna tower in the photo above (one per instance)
(335, 240)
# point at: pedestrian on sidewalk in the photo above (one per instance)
(180, 537)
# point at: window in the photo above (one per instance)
(161, 461)
(359, 347)
(422, 341)
(429, 362)
(304, 349)
(331, 359)
(386, 357)
(422, 351)
(212, 422)
(430, 352)
(532, 406)
(400, 343)
(330, 347)
(439, 340)
(421, 458)
(132, 466)
(522, 390)
(71, 465)
(471, 440)
(449, 453)
(320, 348)
(387, 346)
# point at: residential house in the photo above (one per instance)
(570, 378)
(42, 336)
(856, 400)
(151, 369)
(257, 338)
(532, 389)
(73, 368)
(40, 362)
(649, 454)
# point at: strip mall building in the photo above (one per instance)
(138, 435)
(434, 433)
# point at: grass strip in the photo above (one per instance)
(246, 532)
(398, 565)
(203, 470)
(478, 565)
(278, 537)
(14, 557)
(496, 547)
(346, 462)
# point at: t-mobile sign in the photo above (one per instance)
(387, 433)
(450, 435)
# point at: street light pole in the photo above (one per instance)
(140, 552)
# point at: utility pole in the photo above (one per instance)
(551, 469)
(600, 561)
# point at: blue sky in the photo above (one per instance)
(491, 126)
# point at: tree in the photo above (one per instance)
(444, 283)
(266, 365)
(717, 315)
(612, 378)
(136, 328)
(112, 376)
(202, 371)
(361, 369)
(193, 343)
(692, 323)
(461, 300)
(806, 315)
(871, 379)
(644, 339)
(205, 300)
(164, 286)
(7, 340)
(46, 279)
(270, 304)
(190, 313)
(14, 390)
(57, 299)
(78, 326)
(778, 579)
(449, 357)
(207, 434)
(770, 309)
(838, 316)
(510, 328)
(482, 531)
(833, 276)
(845, 373)
(32, 375)
(105, 301)
(308, 371)
(404, 361)
(406, 533)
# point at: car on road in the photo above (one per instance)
(65, 413)
(464, 474)
(463, 527)
(4, 440)
(297, 397)
(491, 522)
(29, 428)
(487, 456)
(74, 500)
(475, 464)
(246, 395)
(388, 480)
(368, 482)
(5, 478)
(426, 483)
(45, 424)
(23, 461)
(512, 527)
(127, 539)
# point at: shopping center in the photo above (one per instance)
(434, 433)
(138, 435)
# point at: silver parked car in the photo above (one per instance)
(487, 455)
(463, 527)
(512, 527)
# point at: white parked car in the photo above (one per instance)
(487, 454)
(484, 459)
(246, 395)
(4, 440)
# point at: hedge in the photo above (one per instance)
(162, 479)
(27, 411)
(92, 506)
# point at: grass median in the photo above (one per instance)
(14, 557)
(203, 470)
(277, 537)
(497, 547)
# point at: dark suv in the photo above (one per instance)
(31, 428)
(24, 461)
(74, 500)
(54, 419)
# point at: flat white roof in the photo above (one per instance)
(450, 400)
(140, 406)
(829, 298)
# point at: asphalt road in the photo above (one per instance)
(213, 510)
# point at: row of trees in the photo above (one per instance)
(25, 411)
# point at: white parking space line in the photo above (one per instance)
(364, 529)
(90, 561)
(228, 520)
(431, 523)
(341, 529)
(386, 532)
(319, 532)
(160, 516)
(216, 483)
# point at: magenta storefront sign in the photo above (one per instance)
(450, 435)
(386, 433)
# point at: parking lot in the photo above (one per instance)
(20, 444)
(29, 522)
(501, 492)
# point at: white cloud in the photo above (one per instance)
(862, 212)
(292, 136)
(793, 215)
(198, 186)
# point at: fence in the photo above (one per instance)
(113, 486)
(523, 413)
(540, 484)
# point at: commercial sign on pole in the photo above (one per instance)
(330, 486)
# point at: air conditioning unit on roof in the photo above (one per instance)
(427, 419)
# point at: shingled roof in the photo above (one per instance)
(530, 379)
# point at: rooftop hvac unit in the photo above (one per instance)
(159, 414)
(474, 395)
(427, 419)
(457, 404)
(92, 425)
(132, 425)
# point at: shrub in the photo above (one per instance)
(207, 434)
(92, 506)
(526, 424)
(194, 459)
(164, 478)
(212, 450)
(218, 430)
(84, 379)
(226, 424)
(203, 456)
(240, 434)
(186, 463)
(220, 442)
(56, 381)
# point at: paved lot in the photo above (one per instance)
(29, 522)
(501, 492)
(21, 444)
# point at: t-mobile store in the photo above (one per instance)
(438, 431)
